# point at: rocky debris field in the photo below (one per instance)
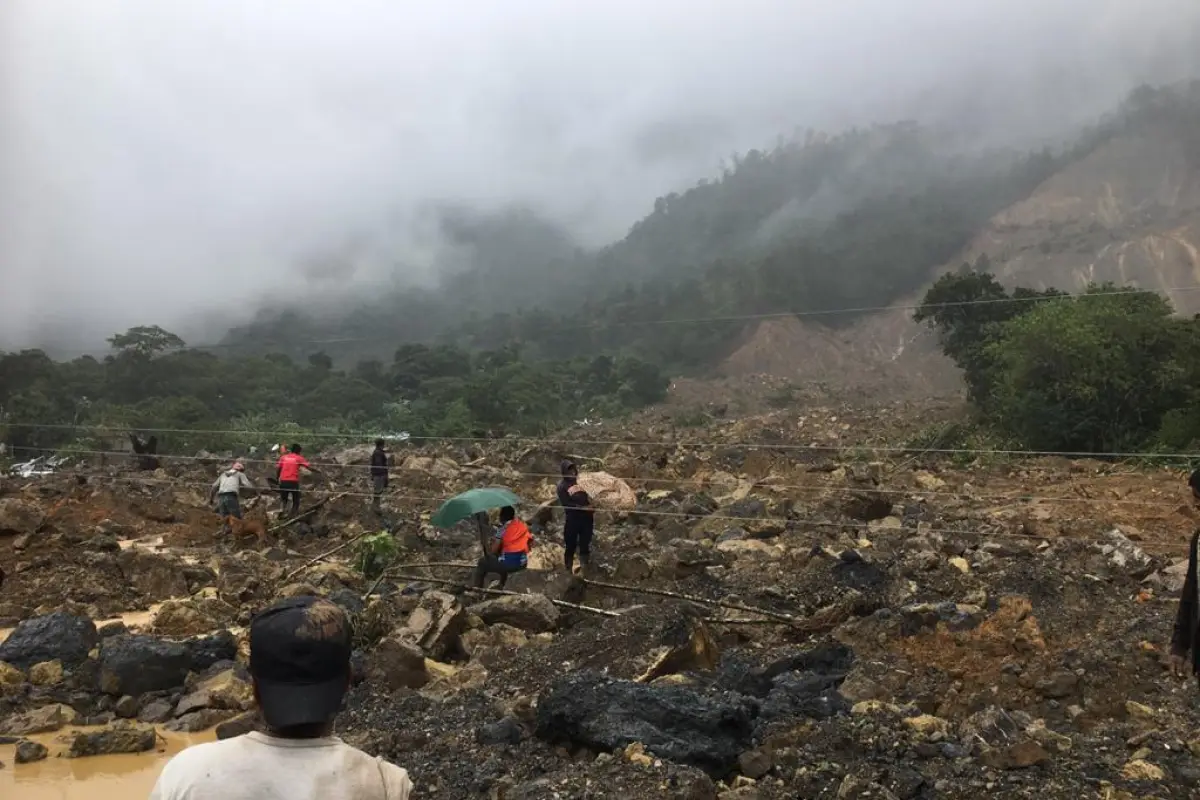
(792, 610)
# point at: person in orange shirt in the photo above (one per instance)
(510, 549)
(288, 469)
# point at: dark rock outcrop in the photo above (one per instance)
(60, 636)
(686, 726)
(135, 665)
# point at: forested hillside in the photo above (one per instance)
(818, 223)
(528, 331)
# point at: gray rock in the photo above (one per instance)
(200, 720)
(103, 544)
(674, 722)
(349, 600)
(29, 752)
(529, 612)
(44, 719)
(156, 711)
(114, 628)
(122, 737)
(60, 636)
(126, 707)
(209, 650)
(397, 663)
(135, 665)
(505, 731)
(239, 725)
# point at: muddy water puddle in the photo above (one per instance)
(117, 777)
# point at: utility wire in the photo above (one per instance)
(920, 528)
(804, 487)
(367, 436)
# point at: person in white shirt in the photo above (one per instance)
(300, 665)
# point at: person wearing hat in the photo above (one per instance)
(300, 666)
(226, 488)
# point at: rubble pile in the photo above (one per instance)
(820, 617)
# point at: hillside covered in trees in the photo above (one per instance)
(818, 223)
(529, 331)
(153, 381)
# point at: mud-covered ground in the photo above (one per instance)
(945, 625)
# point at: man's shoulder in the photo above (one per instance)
(196, 758)
(397, 784)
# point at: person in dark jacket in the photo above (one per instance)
(379, 474)
(579, 517)
(1184, 639)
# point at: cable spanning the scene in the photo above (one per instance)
(786, 522)
(367, 436)
(664, 481)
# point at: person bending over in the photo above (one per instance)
(300, 665)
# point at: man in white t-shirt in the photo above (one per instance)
(300, 663)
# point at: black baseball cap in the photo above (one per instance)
(300, 659)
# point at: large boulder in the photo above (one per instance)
(135, 665)
(19, 517)
(529, 612)
(28, 752)
(40, 720)
(10, 675)
(491, 644)
(397, 663)
(192, 617)
(434, 625)
(200, 720)
(47, 673)
(122, 736)
(209, 650)
(60, 636)
(224, 691)
(686, 726)
(239, 725)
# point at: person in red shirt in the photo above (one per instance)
(288, 469)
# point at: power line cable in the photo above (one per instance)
(367, 436)
(806, 487)
(920, 528)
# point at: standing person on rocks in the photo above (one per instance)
(1184, 639)
(289, 466)
(300, 665)
(379, 474)
(509, 549)
(226, 490)
(579, 517)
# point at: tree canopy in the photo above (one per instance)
(438, 390)
(1110, 370)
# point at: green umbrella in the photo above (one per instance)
(471, 502)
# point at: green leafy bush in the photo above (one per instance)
(375, 553)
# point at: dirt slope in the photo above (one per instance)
(1128, 212)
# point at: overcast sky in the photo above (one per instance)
(163, 160)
